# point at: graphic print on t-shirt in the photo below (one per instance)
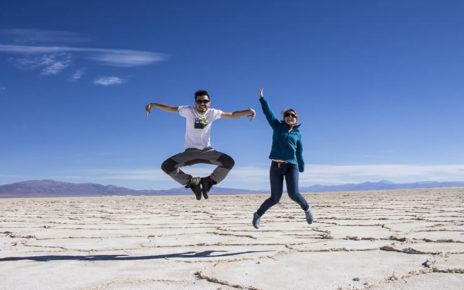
(198, 126)
(201, 122)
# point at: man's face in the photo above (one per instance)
(202, 103)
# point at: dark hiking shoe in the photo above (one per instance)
(309, 216)
(206, 185)
(195, 185)
(256, 220)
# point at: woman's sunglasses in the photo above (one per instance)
(290, 115)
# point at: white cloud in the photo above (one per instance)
(77, 75)
(40, 35)
(50, 64)
(110, 57)
(257, 177)
(30, 50)
(399, 173)
(108, 81)
(126, 58)
(55, 64)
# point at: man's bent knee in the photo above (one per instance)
(226, 161)
(169, 165)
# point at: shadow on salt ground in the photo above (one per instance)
(185, 255)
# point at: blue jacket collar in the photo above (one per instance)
(294, 127)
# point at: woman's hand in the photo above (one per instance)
(261, 93)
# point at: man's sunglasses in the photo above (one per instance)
(290, 115)
(202, 101)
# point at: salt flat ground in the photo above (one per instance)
(405, 239)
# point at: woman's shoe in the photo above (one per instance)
(309, 216)
(256, 220)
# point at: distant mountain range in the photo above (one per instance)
(381, 185)
(51, 188)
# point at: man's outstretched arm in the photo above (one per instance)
(166, 108)
(250, 112)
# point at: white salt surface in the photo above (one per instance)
(405, 239)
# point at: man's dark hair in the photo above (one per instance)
(201, 93)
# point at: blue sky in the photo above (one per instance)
(378, 86)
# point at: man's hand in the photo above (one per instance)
(261, 93)
(252, 113)
(148, 109)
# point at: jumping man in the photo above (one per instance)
(199, 118)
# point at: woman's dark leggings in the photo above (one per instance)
(277, 173)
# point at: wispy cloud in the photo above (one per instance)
(126, 58)
(110, 57)
(257, 177)
(49, 64)
(108, 81)
(20, 35)
(77, 75)
(400, 173)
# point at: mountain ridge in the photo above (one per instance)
(48, 187)
(53, 188)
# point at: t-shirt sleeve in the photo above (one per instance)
(184, 111)
(216, 114)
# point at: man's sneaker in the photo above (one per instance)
(256, 220)
(309, 216)
(206, 184)
(195, 185)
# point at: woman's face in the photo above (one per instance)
(290, 118)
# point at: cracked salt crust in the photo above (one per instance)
(405, 239)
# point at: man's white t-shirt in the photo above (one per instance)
(198, 126)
